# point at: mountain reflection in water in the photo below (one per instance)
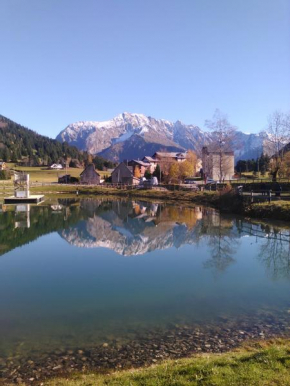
(66, 282)
(138, 227)
(134, 228)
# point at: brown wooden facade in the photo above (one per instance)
(123, 174)
(90, 176)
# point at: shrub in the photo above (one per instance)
(5, 174)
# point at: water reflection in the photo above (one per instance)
(137, 227)
(186, 266)
(274, 245)
(134, 228)
(275, 256)
(223, 244)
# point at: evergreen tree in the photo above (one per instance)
(157, 173)
(14, 157)
(6, 155)
(22, 142)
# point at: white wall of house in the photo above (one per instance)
(218, 166)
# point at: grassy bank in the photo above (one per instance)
(87, 191)
(277, 210)
(257, 364)
(226, 202)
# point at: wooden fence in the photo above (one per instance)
(264, 195)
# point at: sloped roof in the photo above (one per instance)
(150, 159)
(210, 150)
(130, 168)
(139, 162)
(90, 168)
(170, 154)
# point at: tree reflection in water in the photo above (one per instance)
(275, 252)
(137, 227)
(274, 246)
(222, 241)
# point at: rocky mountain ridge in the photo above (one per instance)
(136, 135)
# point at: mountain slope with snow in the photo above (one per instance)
(136, 135)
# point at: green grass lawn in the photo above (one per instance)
(260, 365)
(44, 175)
(41, 174)
(275, 210)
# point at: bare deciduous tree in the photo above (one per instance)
(276, 137)
(223, 136)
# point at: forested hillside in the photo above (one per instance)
(17, 142)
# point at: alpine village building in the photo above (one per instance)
(215, 165)
(218, 166)
(124, 174)
(90, 176)
(130, 172)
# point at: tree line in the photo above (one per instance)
(18, 143)
(260, 164)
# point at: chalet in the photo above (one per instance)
(90, 176)
(140, 166)
(165, 159)
(3, 165)
(218, 166)
(151, 163)
(124, 174)
(169, 156)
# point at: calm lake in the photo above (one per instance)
(79, 273)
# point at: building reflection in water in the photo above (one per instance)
(138, 227)
(22, 216)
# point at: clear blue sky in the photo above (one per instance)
(68, 60)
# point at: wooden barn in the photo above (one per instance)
(123, 174)
(89, 176)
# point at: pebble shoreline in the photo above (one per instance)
(176, 342)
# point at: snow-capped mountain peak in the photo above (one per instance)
(133, 135)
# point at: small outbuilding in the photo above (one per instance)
(64, 179)
(90, 176)
(56, 166)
